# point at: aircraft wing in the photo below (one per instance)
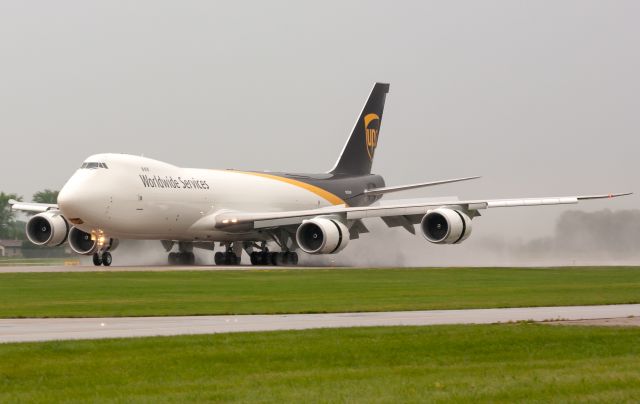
(242, 221)
(32, 206)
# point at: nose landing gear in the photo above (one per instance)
(102, 259)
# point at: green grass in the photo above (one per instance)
(308, 291)
(496, 363)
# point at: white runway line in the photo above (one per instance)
(23, 330)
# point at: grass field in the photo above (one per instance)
(497, 363)
(308, 291)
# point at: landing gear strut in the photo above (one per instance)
(102, 259)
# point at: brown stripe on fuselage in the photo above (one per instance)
(331, 198)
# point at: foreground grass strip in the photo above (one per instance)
(308, 291)
(497, 363)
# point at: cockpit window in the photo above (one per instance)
(93, 165)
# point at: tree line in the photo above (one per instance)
(12, 226)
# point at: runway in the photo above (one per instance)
(136, 268)
(23, 330)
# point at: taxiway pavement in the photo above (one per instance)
(23, 330)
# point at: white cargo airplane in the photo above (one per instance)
(119, 196)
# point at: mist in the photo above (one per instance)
(151, 252)
(580, 238)
(603, 237)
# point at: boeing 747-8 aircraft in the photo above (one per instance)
(119, 196)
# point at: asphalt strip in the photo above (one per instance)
(136, 268)
(25, 330)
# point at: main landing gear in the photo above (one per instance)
(265, 257)
(262, 256)
(257, 258)
(102, 259)
(232, 254)
(226, 258)
(274, 258)
(182, 258)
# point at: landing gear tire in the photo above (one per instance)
(264, 258)
(255, 258)
(279, 259)
(187, 258)
(260, 257)
(106, 259)
(226, 258)
(97, 260)
(271, 258)
(173, 258)
(290, 258)
(232, 259)
(218, 258)
(274, 258)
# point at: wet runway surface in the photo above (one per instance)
(22, 330)
(136, 268)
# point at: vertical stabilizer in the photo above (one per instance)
(357, 155)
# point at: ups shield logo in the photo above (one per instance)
(371, 128)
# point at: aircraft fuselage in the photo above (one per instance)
(132, 197)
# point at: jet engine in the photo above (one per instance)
(47, 229)
(445, 226)
(84, 243)
(322, 235)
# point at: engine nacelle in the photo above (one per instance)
(47, 229)
(322, 235)
(445, 226)
(84, 243)
(81, 242)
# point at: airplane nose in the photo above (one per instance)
(65, 199)
(73, 199)
(68, 202)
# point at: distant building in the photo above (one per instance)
(10, 248)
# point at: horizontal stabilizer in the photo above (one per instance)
(386, 190)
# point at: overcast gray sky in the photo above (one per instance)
(538, 97)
